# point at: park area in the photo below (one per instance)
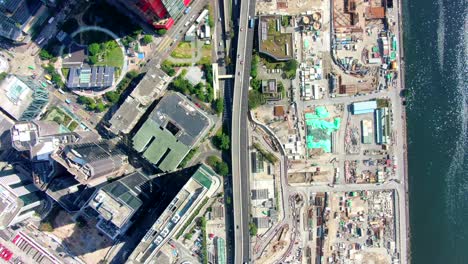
(183, 51)
(57, 115)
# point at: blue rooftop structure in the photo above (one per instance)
(363, 107)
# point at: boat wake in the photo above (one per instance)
(441, 34)
(457, 173)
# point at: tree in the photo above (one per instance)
(188, 236)
(219, 105)
(222, 168)
(91, 106)
(45, 55)
(147, 39)
(290, 68)
(132, 74)
(112, 97)
(100, 107)
(94, 48)
(253, 229)
(92, 59)
(161, 32)
(84, 100)
(212, 161)
(3, 75)
(222, 141)
(254, 68)
(166, 66)
(46, 227)
(255, 99)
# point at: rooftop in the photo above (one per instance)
(90, 161)
(135, 105)
(24, 98)
(88, 78)
(272, 41)
(172, 129)
(175, 214)
(15, 16)
(16, 192)
(118, 201)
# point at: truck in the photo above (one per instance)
(251, 23)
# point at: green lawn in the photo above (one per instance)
(112, 57)
(183, 51)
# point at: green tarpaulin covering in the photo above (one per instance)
(319, 130)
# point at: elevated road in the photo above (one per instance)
(239, 134)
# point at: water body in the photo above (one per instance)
(436, 73)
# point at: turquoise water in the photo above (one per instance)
(436, 74)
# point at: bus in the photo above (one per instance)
(252, 23)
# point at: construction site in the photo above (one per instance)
(364, 52)
(323, 133)
(359, 226)
(368, 144)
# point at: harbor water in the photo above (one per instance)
(436, 60)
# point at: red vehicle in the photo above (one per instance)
(5, 253)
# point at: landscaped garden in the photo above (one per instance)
(182, 51)
(57, 115)
(105, 54)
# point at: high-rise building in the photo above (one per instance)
(116, 203)
(18, 18)
(40, 139)
(23, 99)
(92, 163)
(160, 13)
(18, 198)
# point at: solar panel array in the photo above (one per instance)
(88, 78)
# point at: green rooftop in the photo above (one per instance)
(203, 176)
(159, 146)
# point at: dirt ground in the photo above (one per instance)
(376, 256)
(291, 7)
(85, 242)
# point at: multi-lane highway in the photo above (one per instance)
(239, 134)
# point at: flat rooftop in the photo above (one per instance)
(150, 87)
(118, 201)
(171, 130)
(88, 78)
(16, 95)
(272, 41)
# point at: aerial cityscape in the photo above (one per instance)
(205, 131)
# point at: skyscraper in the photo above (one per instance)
(160, 13)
